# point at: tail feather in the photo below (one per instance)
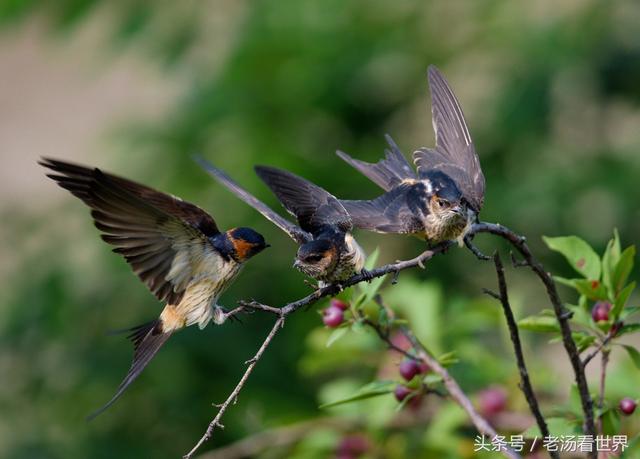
(147, 340)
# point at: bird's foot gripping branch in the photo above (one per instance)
(600, 317)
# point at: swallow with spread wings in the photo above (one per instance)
(443, 199)
(173, 246)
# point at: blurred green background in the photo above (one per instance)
(550, 91)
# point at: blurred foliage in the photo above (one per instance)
(551, 96)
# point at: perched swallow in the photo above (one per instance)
(173, 246)
(327, 251)
(446, 195)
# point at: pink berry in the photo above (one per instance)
(339, 304)
(600, 311)
(408, 369)
(332, 316)
(627, 405)
(424, 368)
(492, 400)
(401, 392)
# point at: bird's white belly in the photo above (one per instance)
(211, 275)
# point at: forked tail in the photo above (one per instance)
(147, 339)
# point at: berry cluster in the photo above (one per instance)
(409, 369)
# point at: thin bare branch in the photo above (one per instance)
(525, 382)
(562, 314)
(234, 394)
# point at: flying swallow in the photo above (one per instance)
(441, 201)
(173, 246)
(327, 251)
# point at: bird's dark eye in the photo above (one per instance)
(442, 203)
(314, 258)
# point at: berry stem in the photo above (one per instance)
(603, 377)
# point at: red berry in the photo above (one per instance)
(339, 304)
(424, 368)
(332, 316)
(408, 369)
(492, 400)
(401, 392)
(627, 405)
(600, 311)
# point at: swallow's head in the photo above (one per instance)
(445, 200)
(316, 258)
(245, 243)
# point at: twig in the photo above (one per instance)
(602, 344)
(421, 353)
(476, 251)
(562, 314)
(454, 389)
(525, 382)
(234, 394)
(333, 289)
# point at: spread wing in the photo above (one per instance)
(295, 232)
(314, 207)
(454, 153)
(159, 235)
(396, 211)
(386, 173)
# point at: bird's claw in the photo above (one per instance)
(366, 275)
(311, 284)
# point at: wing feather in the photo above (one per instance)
(147, 227)
(396, 211)
(454, 153)
(314, 207)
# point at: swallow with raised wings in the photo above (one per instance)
(327, 251)
(173, 246)
(443, 199)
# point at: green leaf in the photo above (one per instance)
(373, 389)
(592, 289)
(564, 281)
(628, 328)
(448, 359)
(629, 312)
(372, 259)
(610, 260)
(621, 300)
(431, 379)
(611, 422)
(578, 253)
(372, 288)
(634, 354)
(580, 315)
(336, 335)
(582, 339)
(623, 268)
(633, 449)
(541, 324)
